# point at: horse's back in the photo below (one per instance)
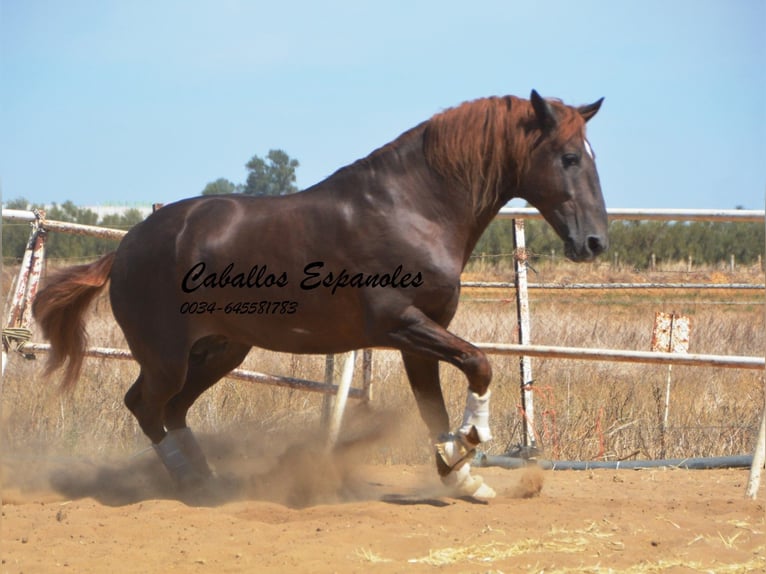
(244, 261)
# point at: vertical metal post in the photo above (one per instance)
(35, 273)
(27, 282)
(671, 334)
(522, 311)
(18, 302)
(328, 399)
(759, 456)
(664, 429)
(336, 418)
(333, 406)
(367, 374)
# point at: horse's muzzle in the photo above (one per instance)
(588, 250)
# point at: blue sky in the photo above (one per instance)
(147, 101)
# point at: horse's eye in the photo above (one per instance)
(570, 159)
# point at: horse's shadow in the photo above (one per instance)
(303, 473)
(413, 500)
(297, 471)
(118, 483)
(140, 479)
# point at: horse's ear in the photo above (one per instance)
(546, 116)
(587, 112)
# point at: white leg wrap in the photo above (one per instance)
(477, 415)
(461, 483)
(453, 462)
(453, 452)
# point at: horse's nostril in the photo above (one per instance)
(596, 244)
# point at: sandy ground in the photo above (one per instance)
(302, 512)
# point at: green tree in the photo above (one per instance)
(62, 245)
(634, 242)
(15, 234)
(18, 203)
(273, 176)
(65, 245)
(221, 186)
(125, 220)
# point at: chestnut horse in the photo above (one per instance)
(369, 257)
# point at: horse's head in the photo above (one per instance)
(561, 180)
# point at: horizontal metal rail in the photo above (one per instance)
(587, 354)
(580, 353)
(503, 349)
(564, 286)
(741, 215)
(65, 226)
(639, 214)
(239, 374)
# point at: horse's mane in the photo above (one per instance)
(485, 142)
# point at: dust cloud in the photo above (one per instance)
(294, 468)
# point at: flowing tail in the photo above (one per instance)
(59, 309)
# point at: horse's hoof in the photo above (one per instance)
(484, 492)
(475, 487)
(182, 456)
(461, 484)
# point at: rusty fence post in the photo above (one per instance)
(529, 443)
(27, 283)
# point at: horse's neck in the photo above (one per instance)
(433, 196)
(398, 174)
(481, 222)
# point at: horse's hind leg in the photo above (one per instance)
(160, 379)
(209, 360)
(162, 395)
(147, 399)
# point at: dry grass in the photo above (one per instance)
(591, 542)
(585, 410)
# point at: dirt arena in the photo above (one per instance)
(303, 512)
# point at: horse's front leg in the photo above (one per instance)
(423, 343)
